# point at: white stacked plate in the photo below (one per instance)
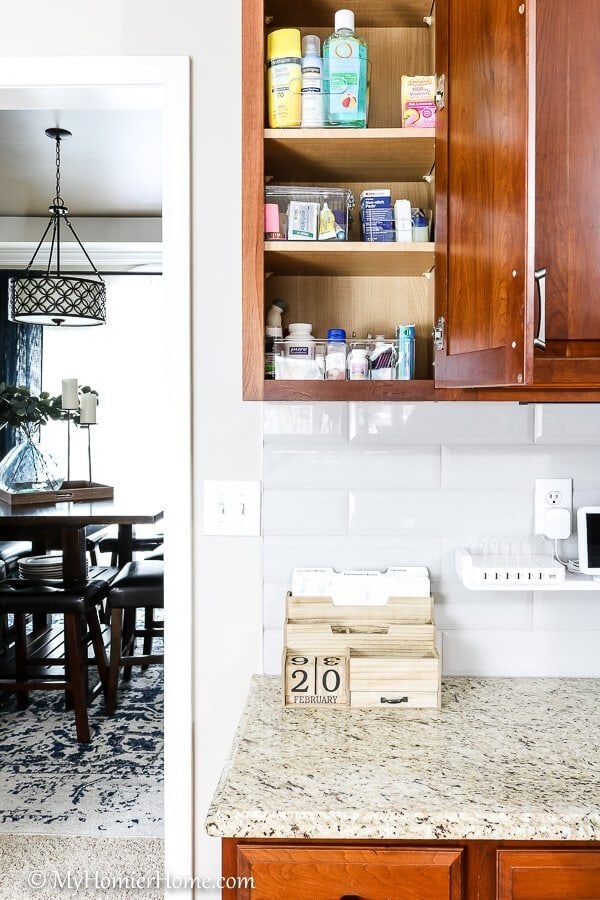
(41, 568)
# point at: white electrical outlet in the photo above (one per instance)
(553, 507)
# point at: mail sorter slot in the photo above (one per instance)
(397, 611)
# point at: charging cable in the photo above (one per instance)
(571, 565)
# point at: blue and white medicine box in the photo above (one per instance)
(376, 215)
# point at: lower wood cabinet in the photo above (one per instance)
(302, 873)
(417, 870)
(548, 875)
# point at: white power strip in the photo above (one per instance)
(526, 570)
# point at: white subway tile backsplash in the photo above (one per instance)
(516, 467)
(587, 498)
(305, 512)
(323, 422)
(438, 512)
(443, 423)
(274, 603)
(457, 608)
(567, 423)
(384, 469)
(570, 654)
(282, 554)
(378, 484)
(567, 612)
(272, 651)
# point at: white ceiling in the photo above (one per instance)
(110, 167)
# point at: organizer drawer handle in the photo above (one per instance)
(393, 700)
(350, 897)
(540, 280)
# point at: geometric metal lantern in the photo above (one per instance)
(48, 297)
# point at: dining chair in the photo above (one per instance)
(139, 585)
(144, 540)
(12, 551)
(78, 605)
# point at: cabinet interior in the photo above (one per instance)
(364, 288)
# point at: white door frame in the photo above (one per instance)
(161, 82)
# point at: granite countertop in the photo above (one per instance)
(505, 758)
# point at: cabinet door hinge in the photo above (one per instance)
(439, 334)
(440, 93)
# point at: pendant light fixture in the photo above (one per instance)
(48, 297)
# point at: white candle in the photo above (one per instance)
(70, 397)
(87, 413)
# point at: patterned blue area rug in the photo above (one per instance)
(50, 784)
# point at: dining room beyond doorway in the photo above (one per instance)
(82, 556)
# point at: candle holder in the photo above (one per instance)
(88, 426)
(69, 405)
(68, 413)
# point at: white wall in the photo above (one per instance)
(374, 485)
(227, 433)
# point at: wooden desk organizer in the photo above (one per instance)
(361, 656)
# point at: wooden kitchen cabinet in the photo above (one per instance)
(415, 870)
(548, 875)
(510, 173)
(567, 229)
(303, 873)
(482, 263)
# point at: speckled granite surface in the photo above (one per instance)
(503, 759)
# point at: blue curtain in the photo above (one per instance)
(20, 357)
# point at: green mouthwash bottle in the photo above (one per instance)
(345, 74)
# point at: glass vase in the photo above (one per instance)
(29, 468)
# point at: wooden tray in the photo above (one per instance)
(70, 490)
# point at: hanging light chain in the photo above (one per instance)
(58, 201)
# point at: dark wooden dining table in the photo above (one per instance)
(63, 525)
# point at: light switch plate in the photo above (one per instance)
(232, 508)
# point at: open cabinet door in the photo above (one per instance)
(484, 152)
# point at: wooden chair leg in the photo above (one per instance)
(149, 628)
(128, 644)
(21, 658)
(77, 678)
(99, 648)
(68, 694)
(116, 634)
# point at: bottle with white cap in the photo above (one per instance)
(312, 82)
(345, 74)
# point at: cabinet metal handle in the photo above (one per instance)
(540, 281)
(393, 700)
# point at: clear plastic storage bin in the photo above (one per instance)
(370, 359)
(300, 211)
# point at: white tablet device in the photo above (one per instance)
(588, 540)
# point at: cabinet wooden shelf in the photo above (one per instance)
(353, 154)
(370, 13)
(347, 258)
(349, 390)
